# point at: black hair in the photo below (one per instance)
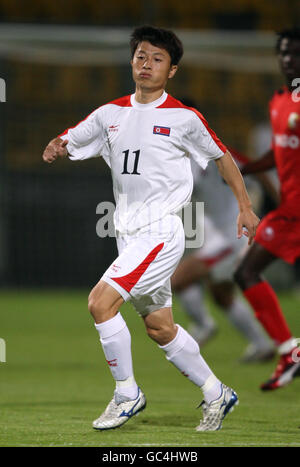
(160, 38)
(292, 33)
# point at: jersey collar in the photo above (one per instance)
(151, 105)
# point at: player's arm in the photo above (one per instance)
(83, 141)
(56, 148)
(266, 162)
(232, 176)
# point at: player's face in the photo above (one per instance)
(289, 58)
(151, 67)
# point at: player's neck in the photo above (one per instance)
(145, 96)
(289, 84)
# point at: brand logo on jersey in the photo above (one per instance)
(286, 141)
(115, 268)
(293, 120)
(113, 127)
(161, 130)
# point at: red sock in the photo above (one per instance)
(267, 310)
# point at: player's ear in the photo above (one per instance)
(172, 71)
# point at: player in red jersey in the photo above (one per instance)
(278, 235)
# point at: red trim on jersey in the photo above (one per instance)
(121, 102)
(171, 103)
(209, 262)
(124, 101)
(128, 282)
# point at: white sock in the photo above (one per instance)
(242, 318)
(193, 302)
(116, 343)
(287, 346)
(183, 351)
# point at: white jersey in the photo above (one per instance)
(220, 204)
(149, 149)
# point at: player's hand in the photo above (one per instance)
(247, 223)
(56, 148)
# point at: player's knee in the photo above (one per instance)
(96, 305)
(243, 276)
(238, 276)
(222, 300)
(92, 304)
(223, 294)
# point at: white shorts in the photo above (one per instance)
(141, 273)
(222, 251)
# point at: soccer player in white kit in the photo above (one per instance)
(148, 140)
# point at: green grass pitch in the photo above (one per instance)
(56, 381)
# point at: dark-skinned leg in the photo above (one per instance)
(190, 270)
(250, 270)
(222, 293)
(260, 294)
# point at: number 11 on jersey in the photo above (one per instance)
(135, 165)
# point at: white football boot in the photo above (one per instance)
(116, 414)
(215, 412)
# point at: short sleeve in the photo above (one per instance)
(202, 143)
(88, 138)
